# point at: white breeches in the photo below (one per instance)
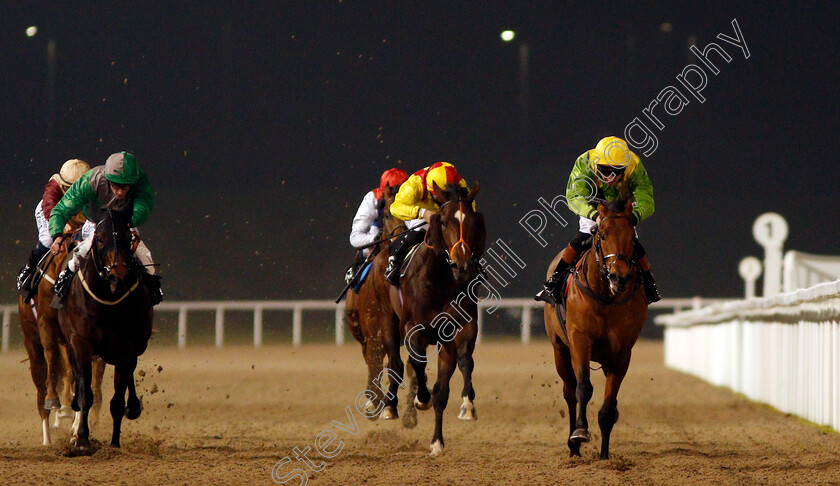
(82, 249)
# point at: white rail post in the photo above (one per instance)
(7, 314)
(220, 326)
(339, 325)
(297, 325)
(479, 324)
(526, 324)
(258, 326)
(182, 328)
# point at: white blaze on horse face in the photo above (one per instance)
(459, 216)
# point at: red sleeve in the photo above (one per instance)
(52, 194)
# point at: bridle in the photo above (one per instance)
(104, 270)
(460, 241)
(601, 259)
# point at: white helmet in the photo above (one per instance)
(71, 171)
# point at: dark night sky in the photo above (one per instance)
(262, 125)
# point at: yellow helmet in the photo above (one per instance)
(71, 171)
(440, 173)
(613, 152)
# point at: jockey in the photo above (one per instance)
(367, 224)
(58, 184)
(606, 172)
(414, 204)
(115, 185)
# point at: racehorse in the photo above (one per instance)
(48, 360)
(108, 313)
(605, 313)
(432, 301)
(373, 322)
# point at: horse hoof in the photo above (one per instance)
(579, 436)
(65, 413)
(467, 411)
(80, 450)
(52, 404)
(436, 449)
(409, 419)
(389, 413)
(132, 413)
(422, 406)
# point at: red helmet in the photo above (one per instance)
(392, 177)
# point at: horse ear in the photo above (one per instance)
(434, 235)
(602, 209)
(473, 192)
(435, 194)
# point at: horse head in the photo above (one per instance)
(390, 224)
(112, 248)
(457, 229)
(614, 243)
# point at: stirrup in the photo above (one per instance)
(392, 271)
(545, 295)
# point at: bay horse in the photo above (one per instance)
(432, 301)
(373, 322)
(108, 313)
(605, 314)
(49, 363)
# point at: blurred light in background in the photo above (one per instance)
(508, 35)
(31, 31)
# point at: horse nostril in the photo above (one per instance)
(613, 277)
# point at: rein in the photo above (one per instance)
(103, 270)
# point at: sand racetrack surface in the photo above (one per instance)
(228, 416)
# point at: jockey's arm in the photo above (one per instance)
(364, 232)
(642, 189)
(73, 201)
(144, 201)
(406, 203)
(580, 188)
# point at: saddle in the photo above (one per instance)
(407, 260)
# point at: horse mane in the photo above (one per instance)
(617, 205)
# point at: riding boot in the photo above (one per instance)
(548, 292)
(153, 282)
(24, 280)
(62, 287)
(651, 290)
(398, 251)
(353, 269)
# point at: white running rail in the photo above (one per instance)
(298, 307)
(782, 350)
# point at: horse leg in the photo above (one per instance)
(38, 371)
(563, 363)
(422, 400)
(96, 385)
(53, 357)
(447, 360)
(66, 395)
(608, 415)
(82, 353)
(581, 354)
(409, 417)
(466, 365)
(372, 351)
(395, 377)
(134, 406)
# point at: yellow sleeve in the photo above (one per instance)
(405, 205)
